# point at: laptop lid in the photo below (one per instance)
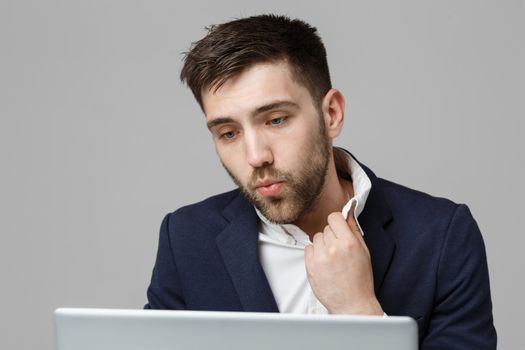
(105, 329)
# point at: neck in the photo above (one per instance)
(335, 194)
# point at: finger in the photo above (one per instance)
(350, 219)
(339, 226)
(318, 240)
(329, 235)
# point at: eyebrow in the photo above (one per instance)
(259, 110)
(274, 105)
(218, 121)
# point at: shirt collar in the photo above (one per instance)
(290, 234)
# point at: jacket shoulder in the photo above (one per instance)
(404, 199)
(419, 214)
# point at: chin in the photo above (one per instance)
(279, 214)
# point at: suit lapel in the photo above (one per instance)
(380, 245)
(375, 216)
(238, 244)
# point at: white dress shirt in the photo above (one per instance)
(281, 250)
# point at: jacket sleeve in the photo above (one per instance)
(462, 314)
(165, 290)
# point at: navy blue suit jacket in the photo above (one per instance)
(428, 260)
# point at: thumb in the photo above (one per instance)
(354, 227)
(350, 219)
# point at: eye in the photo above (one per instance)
(278, 121)
(228, 135)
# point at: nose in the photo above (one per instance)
(258, 151)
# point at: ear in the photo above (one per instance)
(333, 112)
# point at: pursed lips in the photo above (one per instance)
(269, 187)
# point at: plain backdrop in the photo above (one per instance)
(99, 139)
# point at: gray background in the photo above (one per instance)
(98, 139)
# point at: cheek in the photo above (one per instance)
(289, 148)
(233, 159)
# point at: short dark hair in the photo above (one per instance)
(231, 47)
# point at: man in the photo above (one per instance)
(310, 229)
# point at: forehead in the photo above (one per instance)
(256, 86)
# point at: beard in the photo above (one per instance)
(302, 186)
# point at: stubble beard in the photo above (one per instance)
(301, 187)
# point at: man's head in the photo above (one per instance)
(264, 86)
(232, 47)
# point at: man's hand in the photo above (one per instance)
(339, 268)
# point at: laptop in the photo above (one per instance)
(105, 329)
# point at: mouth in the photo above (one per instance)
(269, 188)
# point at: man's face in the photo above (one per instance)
(270, 139)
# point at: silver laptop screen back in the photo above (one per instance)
(104, 329)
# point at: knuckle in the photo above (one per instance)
(349, 245)
(332, 251)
